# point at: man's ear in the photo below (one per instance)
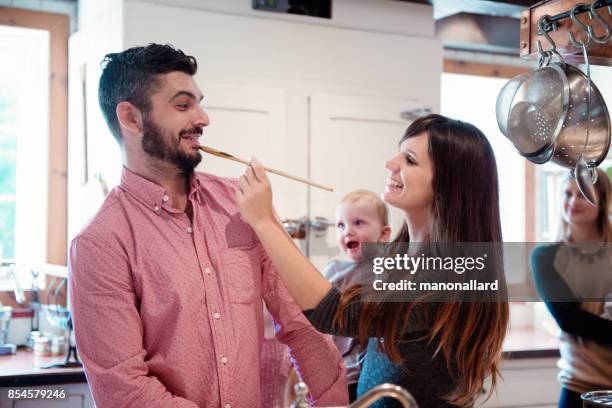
(130, 118)
(385, 234)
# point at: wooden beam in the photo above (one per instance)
(482, 69)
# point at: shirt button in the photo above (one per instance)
(189, 230)
(207, 270)
(224, 360)
(217, 315)
(165, 198)
(156, 209)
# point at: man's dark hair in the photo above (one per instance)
(132, 76)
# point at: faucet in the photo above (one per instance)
(385, 390)
(373, 395)
(19, 294)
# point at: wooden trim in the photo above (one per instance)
(599, 54)
(530, 198)
(482, 69)
(58, 26)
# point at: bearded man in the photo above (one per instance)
(167, 280)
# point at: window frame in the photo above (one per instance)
(58, 26)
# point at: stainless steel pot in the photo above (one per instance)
(570, 141)
(548, 113)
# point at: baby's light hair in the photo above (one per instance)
(381, 207)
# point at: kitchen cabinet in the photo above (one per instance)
(77, 396)
(351, 139)
(526, 383)
(22, 372)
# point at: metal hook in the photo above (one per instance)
(603, 39)
(587, 28)
(545, 54)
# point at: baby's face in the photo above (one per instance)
(357, 222)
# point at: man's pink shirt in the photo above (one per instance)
(168, 313)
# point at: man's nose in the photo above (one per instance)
(202, 119)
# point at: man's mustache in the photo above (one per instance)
(193, 131)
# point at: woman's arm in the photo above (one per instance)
(254, 198)
(561, 302)
(572, 319)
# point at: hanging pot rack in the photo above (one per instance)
(568, 24)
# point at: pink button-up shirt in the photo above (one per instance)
(168, 312)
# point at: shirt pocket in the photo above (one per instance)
(242, 271)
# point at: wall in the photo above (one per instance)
(88, 46)
(371, 15)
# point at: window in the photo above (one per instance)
(550, 178)
(481, 92)
(517, 191)
(24, 136)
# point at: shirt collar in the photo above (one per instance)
(148, 192)
(195, 187)
(152, 195)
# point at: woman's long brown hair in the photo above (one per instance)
(465, 208)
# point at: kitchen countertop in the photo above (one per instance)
(24, 368)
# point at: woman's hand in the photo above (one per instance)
(254, 199)
(254, 195)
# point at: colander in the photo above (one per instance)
(536, 110)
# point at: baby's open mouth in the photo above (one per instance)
(352, 244)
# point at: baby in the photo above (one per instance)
(361, 216)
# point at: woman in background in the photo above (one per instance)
(444, 179)
(573, 278)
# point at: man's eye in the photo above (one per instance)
(183, 106)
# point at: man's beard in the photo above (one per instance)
(168, 149)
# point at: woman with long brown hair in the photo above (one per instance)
(444, 179)
(574, 277)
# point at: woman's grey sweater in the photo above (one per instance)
(424, 372)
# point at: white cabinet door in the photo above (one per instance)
(246, 121)
(351, 138)
(529, 383)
